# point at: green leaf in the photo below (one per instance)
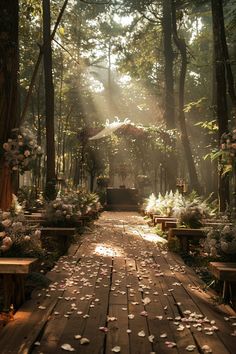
(216, 155)
(227, 169)
(61, 31)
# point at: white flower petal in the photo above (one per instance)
(146, 301)
(77, 336)
(141, 334)
(84, 341)
(190, 348)
(68, 347)
(116, 349)
(206, 349)
(151, 338)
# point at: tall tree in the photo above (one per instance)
(221, 88)
(169, 107)
(169, 101)
(9, 65)
(182, 47)
(50, 190)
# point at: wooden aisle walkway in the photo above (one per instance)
(119, 291)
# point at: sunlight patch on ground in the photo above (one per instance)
(153, 238)
(107, 251)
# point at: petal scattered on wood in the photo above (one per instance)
(116, 349)
(141, 334)
(77, 336)
(151, 338)
(206, 349)
(190, 348)
(111, 319)
(68, 347)
(146, 301)
(170, 344)
(84, 341)
(103, 329)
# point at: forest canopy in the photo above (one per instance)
(166, 65)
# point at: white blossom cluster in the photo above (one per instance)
(67, 209)
(21, 150)
(221, 240)
(14, 230)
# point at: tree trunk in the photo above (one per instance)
(225, 52)
(50, 191)
(169, 114)
(60, 120)
(221, 87)
(169, 103)
(182, 47)
(92, 177)
(9, 108)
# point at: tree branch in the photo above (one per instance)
(33, 78)
(66, 50)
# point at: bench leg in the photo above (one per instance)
(184, 244)
(8, 290)
(13, 291)
(227, 292)
(19, 290)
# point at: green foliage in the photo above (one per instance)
(28, 198)
(197, 105)
(210, 126)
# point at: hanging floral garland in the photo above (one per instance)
(21, 150)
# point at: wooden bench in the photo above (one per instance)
(185, 236)
(170, 225)
(162, 220)
(225, 272)
(13, 272)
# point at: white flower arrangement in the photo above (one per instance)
(14, 232)
(221, 240)
(164, 205)
(21, 150)
(67, 209)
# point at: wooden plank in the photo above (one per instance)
(30, 319)
(226, 342)
(118, 308)
(138, 345)
(157, 310)
(66, 321)
(98, 313)
(28, 322)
